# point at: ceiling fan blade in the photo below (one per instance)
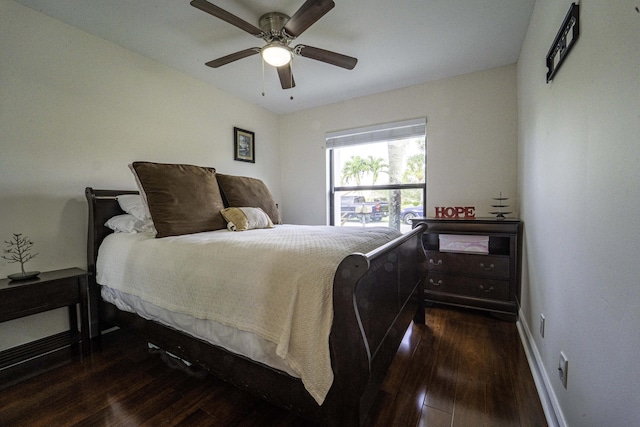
(232, 57)
(307, 15)
(327, 56)
(226, 16)
(286, 77)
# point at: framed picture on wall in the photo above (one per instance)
(564, 41)
(244, 145)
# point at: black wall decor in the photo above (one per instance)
(564, 41)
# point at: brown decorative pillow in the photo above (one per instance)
(241, 191)
(182, 199)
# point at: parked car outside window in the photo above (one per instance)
(411, 212)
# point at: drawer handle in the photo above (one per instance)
(431, 261)
(491, 267)
(438, 283)
(486, 290)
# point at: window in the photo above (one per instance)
(378, 175)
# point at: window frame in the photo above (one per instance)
(375, 134)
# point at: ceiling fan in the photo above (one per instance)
(278, 31)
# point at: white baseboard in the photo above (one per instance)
(550, 405)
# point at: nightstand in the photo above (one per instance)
(486, 281)
(50, 290)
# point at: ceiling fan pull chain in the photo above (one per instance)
(291, 79)
(262, 75)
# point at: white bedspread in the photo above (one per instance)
(275, 283)
(243, 343)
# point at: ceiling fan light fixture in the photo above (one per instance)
(277, 54)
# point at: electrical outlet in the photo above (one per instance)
(542, 325)
(563, 365)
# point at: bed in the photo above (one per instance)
(375, 296)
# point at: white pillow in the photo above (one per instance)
(143, 195)
(240, 219)
(133, 204)
(127, 223)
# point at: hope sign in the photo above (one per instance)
(456, 212)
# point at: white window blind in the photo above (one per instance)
(415, 128)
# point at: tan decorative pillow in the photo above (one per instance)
(242, 191)
(240, 219)
(182, 199)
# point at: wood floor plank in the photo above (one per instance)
(398, 368)
(134, 408)
(432, 417)
(264, 414)
(500, 390)
(470, 404)
(443, 375)
(50, 405)
(232, 409)
(198, 418)
(383, 408)
(192, 391)
(409, 400)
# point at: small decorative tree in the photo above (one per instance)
(19, 250)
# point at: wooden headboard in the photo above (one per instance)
(102, 206)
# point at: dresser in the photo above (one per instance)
(486, 281)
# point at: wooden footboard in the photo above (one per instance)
(375, 296)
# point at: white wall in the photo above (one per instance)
(471, 141)
(74, 111)
(579, 185)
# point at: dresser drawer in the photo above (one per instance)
(477, 265)
(468, 286)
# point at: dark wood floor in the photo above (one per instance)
(462, 369)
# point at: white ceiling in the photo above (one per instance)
(398, 43)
